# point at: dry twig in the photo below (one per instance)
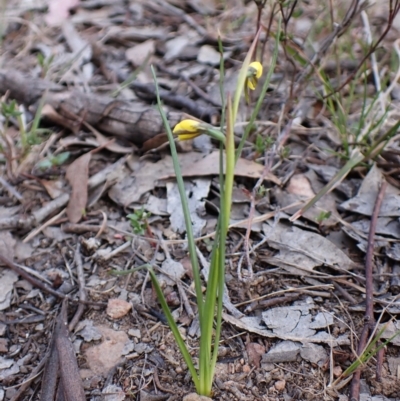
(369, 320)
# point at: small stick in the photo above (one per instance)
(395, 281)
(82, 291)
(344, 293)
(158, 384)
(80, 228)
(268, 303)
(38, 230)
(10, 189)
(369, 320)
(185, 300)
(369, 309)
(379, 362)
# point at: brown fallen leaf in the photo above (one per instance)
(53, 187)
(62, 363)
(255, 351)
(69, 371)
(78, 175)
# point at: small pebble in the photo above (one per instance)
(246, 368)
(280, 385)
(118, 308)
(134, 333)
(337, 371)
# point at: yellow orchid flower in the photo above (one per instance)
(187, 129)
(254, 73)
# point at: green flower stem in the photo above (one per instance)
(216, 134)
(221, 81)
(242, 77)
(230, 166)
(260, 99)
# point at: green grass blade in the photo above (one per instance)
(369, 351)
(380, 142)
(174, 328)
(206, 324)
(221, 285)
(185, 206)
(221, 82)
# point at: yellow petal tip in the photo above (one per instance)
(186, 127)
(256, 69)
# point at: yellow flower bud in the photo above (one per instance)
(187, 129)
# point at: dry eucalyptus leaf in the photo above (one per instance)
(7, 244)
(255, 324)
(300, 185)
(78, 175)
(138, 54)
(175, 46)
(7, 280)
(196, 190)
(208, 55)
(364, 201)
(301, 251)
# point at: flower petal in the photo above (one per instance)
(251, 83)
(255, 69)
(186, 127)
(187, 136)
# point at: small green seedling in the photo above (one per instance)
(138, 221)
(285, 152)
(324, 215)
(10, 110)
(53, 160)
(262, 191)
(263, 143)
(44, 63)
(372, 348)
(27, 138)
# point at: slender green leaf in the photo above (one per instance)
(174, 328)
(185, 206)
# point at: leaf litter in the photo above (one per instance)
(271, 353)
